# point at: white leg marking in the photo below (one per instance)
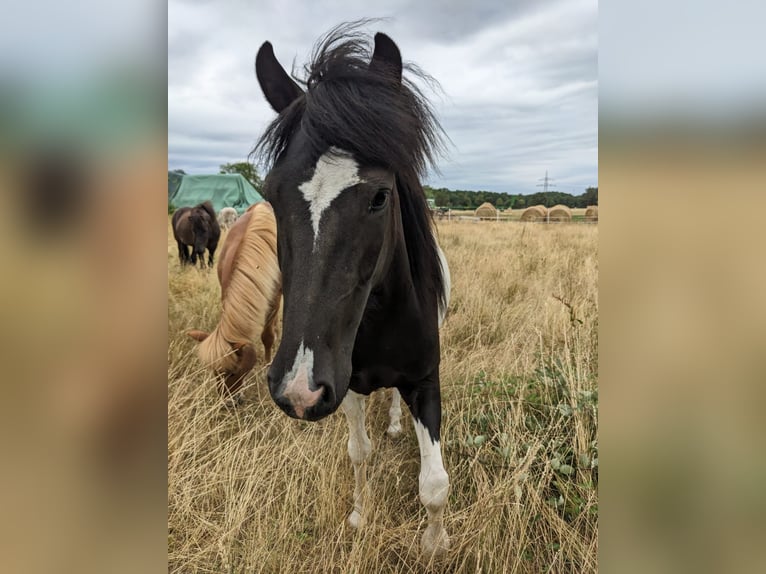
(395, 414)
(447, 285)
(335, 172)
(434, 489)
(358, 450)
(297, 383)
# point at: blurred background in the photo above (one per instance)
(83, 286)
(682, 164)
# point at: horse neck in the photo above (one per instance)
(395, 315)
(396, 286)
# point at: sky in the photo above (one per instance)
(519, 81)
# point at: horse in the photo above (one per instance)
(251, 288)
(226, 217)
(196, 227)
(366, 285)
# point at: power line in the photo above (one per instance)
(546, 180)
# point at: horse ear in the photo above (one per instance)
(386, 58)
(198, 335)
(278, 87)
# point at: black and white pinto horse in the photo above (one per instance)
(366, 285)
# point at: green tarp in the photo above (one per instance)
(174, 182)
(223, 190)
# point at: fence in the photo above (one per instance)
(459, 215)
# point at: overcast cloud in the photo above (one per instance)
(519, 81)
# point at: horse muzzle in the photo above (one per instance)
(302, 401)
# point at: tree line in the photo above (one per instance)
(464, 199)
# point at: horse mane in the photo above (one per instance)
(379, 120)
(208, 207)
(252, 294)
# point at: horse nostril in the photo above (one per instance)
(328, 394)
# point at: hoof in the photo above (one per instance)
(394, 431)
(434, 542)
(354, 519)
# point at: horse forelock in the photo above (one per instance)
(200, 223)
(373, 116)
(207, 206)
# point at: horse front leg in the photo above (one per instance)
(359, 448)
(395, 414)
(183, 254)
(211, 247)
(199, 256)
(425, 407)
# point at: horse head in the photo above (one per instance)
(200, 223)
(235, 365)
(336, 208)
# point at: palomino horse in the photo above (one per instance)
(366, 285)
(250, 294)
(196, 227)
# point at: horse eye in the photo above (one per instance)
(379, 201)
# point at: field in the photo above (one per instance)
(250, 490)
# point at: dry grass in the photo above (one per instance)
(250, 490)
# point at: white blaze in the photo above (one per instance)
(335, 171)
(297, 383)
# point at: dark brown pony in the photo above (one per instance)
(251, 288)
(196, 227)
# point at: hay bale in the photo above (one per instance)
(486, 211)
(591, 213)
(534, 213)
(559, 214)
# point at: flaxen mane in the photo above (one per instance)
(250, 289)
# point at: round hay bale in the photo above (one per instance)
(591, 213)
(486, 211)
(559, 214)
(534, 213)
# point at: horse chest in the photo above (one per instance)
(386, 359)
